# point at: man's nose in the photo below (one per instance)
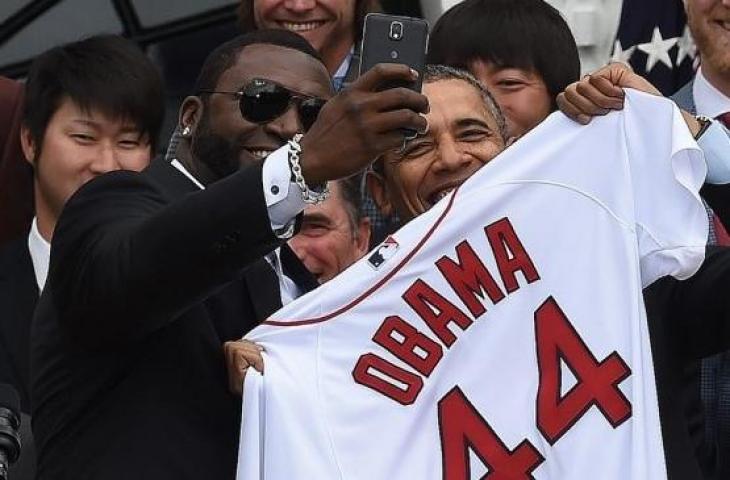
(286, 125)
(299, 5)
(105, 159)
(450, 157)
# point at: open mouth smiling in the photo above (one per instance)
(300, 27)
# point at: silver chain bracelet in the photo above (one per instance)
(310, 196)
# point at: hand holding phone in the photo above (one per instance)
(361, 123)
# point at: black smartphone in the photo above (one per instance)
(394, 39)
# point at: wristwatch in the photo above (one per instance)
(705, 123)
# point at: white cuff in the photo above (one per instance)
(283, 197)
(715, 144)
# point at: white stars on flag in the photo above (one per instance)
(686, 46)
(657, 50)
(621, 55)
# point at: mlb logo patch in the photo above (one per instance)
(383, 252)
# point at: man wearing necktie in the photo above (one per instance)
(708, 94)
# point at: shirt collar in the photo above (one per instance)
(40, 253)
(345, 65)
(708, 99)
(177, 164)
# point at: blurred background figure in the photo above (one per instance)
(333, 27)
(335, 234)
(16, 176)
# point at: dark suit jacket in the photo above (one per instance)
(148, 277)
(713, 375)
(18, 298)
(688, 320)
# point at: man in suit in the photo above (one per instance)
(152, 272)
(334, 28)
(90, 107)
(708, 94)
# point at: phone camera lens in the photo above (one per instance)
(396, 31)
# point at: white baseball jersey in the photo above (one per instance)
(502, 332)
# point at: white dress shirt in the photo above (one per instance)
(709, 101)
(40, 254)
(283, 201)
(339, 76)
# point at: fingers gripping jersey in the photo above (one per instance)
(501, 333)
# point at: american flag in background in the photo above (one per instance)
(654, 38)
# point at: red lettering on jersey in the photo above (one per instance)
(510, 254)
(436, 311)
(597, 382)
(462, 428)
(390, 382)
(470, 279)
(411, 344)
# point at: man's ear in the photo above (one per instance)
(191, 111)
(379, 191)
(362, 242)
(28, 145)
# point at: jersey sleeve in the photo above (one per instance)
(667, 170)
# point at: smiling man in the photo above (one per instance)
(708, 94)
(335, 234)
(333, 27)
(90, 107)
(466, 131)
(152, 272)
(524, 72)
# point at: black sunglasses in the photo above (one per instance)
(261, 101)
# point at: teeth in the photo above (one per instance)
(301, 27)
(438, 196)
(261, 154)
(443, 194)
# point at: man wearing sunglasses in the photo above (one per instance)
(152, 272)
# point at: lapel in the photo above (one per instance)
(259, 278)
(171, 180)
(684, 98)
(263, 289)
(18, 298)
